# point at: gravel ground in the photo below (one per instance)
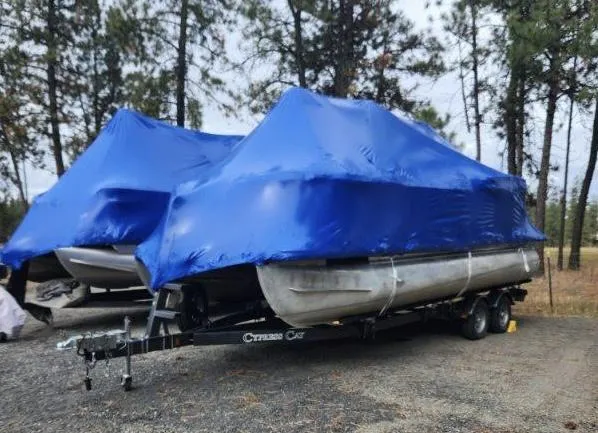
(543, 378)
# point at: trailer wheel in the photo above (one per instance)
(476, 325)
(193, 308)
(127, 383)
(500, 316)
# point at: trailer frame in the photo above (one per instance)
(257, 324)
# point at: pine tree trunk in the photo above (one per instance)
(463, 95)
(559, 262)
(510, 120)
(520, 122)
(298, 26)
(577, 230)
(545, 165)
(52, 88)
(476, 83)
(515, 104)
(19, 181)
(97, 112)
(181, 73)
(344, 55)
(8, 146)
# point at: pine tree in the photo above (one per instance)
(554, 33)
(512, 51)
(357, 49)
(11, 213)
(551, 229)
(98, 78)
(571, 209)
(572, 95)
(175, 46)
(590, 227)
(47, 32)
(17, 123)
(463, 23)
(578, 220)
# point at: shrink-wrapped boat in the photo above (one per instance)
(114, 195)
(332, 200)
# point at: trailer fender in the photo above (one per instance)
(470, 303)
(494, 297)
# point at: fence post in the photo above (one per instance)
(550, 286)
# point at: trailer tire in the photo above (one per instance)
(500, 315)
(475, 326)
(127, 383)
(193, 308)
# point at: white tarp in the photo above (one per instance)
(12, 316)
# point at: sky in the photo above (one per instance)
(445, 95)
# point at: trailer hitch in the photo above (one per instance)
(101, 345)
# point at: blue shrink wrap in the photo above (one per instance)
(116, 192)
(323, 177)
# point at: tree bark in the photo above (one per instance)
(19, 181)
(8, 145)
(577, 229)
(97, 112)
(510, 120)
(559, 261)
(545, 163)
(520, 122)
(476, 83)
(519, 108)
(344, 55)
(181, 65)
(463, 95)
(52, 87)
(298, 26)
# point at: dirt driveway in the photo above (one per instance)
(543, 378)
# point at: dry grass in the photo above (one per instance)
(248, 400)
(574, 292)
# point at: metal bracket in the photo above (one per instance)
(369, 329)
(127, 379)
(159, 312)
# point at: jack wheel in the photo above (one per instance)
(476, 325)
(500, 315)
(87, 382)
(193, 308)
(127, 383)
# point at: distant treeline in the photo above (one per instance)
(11, 212)
(590, 225)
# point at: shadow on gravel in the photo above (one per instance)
(406, 342)
(101, 320)
(409, 340)
(71, 321)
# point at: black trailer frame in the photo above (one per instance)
(257, 324)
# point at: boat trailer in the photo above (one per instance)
(257, 324)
